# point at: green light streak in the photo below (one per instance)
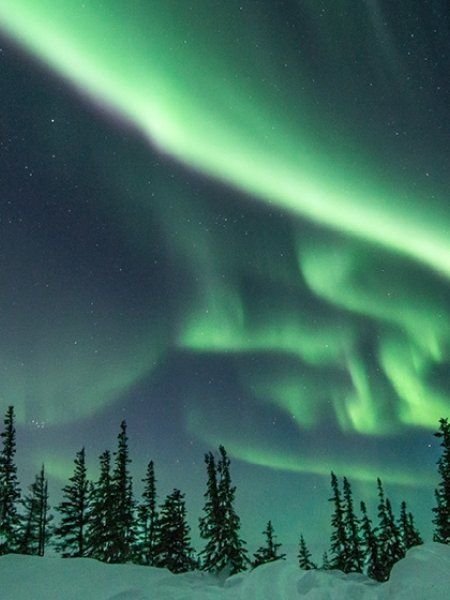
(148, 65)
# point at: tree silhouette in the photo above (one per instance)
(268, 552)
(389, 541)
(148, 521)
(370, 547)
(35, 532)
(101, 526)
(122, 502)
(410, 536)
(175, 550)
(354, 556)
(441, 511)
(339, 541)
(304, 557)
(74, 510)
(9, 487)
(225, 551)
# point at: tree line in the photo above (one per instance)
(101, 519)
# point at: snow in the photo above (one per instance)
(423, 575)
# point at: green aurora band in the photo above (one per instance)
(376, 256)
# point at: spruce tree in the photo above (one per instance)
(441, 511)
(339, 541)
(370, 546)
(211, 522)
(9, 487)
(268, 552)
(122, 502)
(225, 551)
(409, 535)
(101, 525)
(175, 550)
(35, 532)
(354, 555)
(325, 562)
(74, 510)
(304, 557)
(233, 553)
(389, 541)
(148, 522)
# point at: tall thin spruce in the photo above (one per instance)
(409, 534)
(390, 544)
(441, 520)
(211, 522)
(147, 535)
(354, 554)
(71, 532)
(35, 529)
(101, 525)
(9, 487)
(339, 540)
(225, 551)
(122, 502)
(370, 546)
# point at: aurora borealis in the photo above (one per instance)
(229, 222)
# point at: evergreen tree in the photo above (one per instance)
(74, 510)
(389, 541)
(101, 525)
(339, 541)
(148, 521)
(175, 550)
(9, 487)
(304, 557)
(211, 522)
(370, 546)
(122, 502)
(234, 555)
(441, 511)
(268, 552)
(225, 551)
(325, 562)
(35, 532)
(354, 555)
(409, 535)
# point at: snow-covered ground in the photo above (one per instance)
(423, 575)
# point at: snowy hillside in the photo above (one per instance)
(423, 575)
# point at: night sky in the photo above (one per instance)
(229, 223)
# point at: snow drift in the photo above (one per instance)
(423, 575)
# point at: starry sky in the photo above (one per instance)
(229, 223)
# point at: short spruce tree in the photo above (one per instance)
(409, 534)
(304, 557)
(270, 551)
(175, 551)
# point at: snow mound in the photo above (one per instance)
(423, 575)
